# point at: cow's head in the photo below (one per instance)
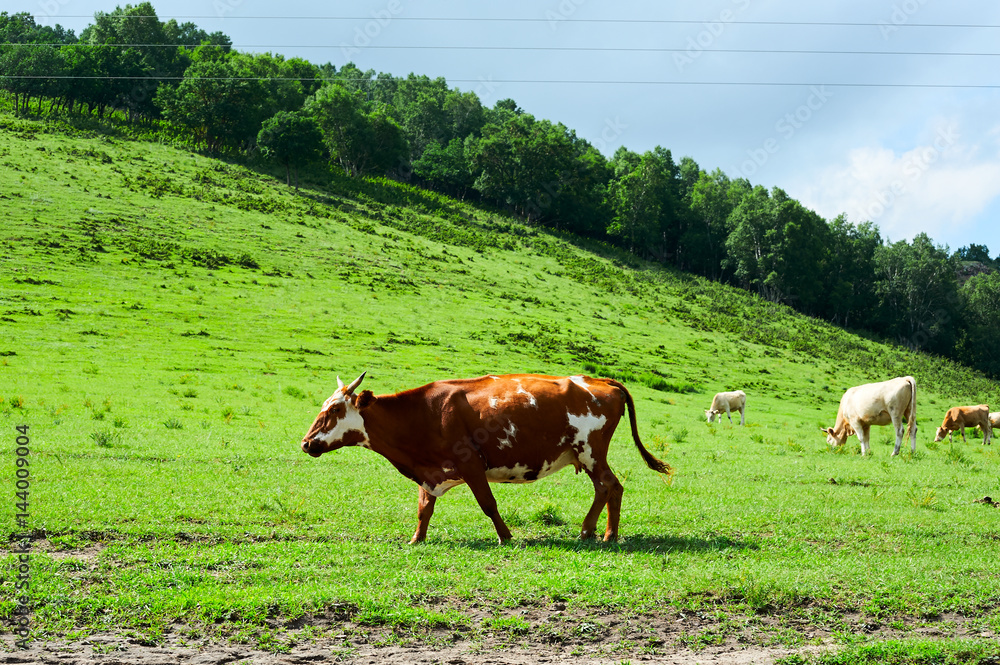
(832, 437)
(339, 422)
(710, 414)
(941, 433)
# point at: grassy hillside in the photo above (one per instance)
(171, 324)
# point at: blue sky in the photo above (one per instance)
(911, 159)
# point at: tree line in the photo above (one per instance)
(420, 130)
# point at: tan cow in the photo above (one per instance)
(891, 401)
(726, 403)
(960, 417)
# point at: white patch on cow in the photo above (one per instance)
(579, 380)
(331, 399)
(509, 433)
(551, 467)
(585, 425)
(521, 391)
(442, 487)
(351, 422)
(494, 401)
(503, 474)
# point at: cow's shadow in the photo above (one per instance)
(635, 543)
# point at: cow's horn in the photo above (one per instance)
(340, 384)
(355, 383)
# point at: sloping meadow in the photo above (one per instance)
(171, 324)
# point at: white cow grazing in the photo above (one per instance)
(727, 402)
(876, 404)
(995, 419)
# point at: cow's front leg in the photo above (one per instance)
(963, 435)
(743, 417)
(425, 508)
(863, 432)
(484, 496)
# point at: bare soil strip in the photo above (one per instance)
(555, 637)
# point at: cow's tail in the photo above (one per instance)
(647, 457)
(911, 427)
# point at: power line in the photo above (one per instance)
(553, 19)
(966, 86)
(610, 49)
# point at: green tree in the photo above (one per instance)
(637, 199)
(220, 104)
(522, 163)
(360, 142)
(291, 138)
(776, 247)
(851, 273)
(711, 200)
(445, 168)
(980, 308)
(974, 252)
(142, 56)
(917, 289)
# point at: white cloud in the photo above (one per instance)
(938, 187)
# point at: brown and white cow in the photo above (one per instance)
(891, 401)
(501, 429)
(960, 417)
(726, 403)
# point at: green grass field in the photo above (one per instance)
(171, 324)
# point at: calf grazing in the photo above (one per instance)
(891, 401)
(727, 402)
(492, 429)
(960, 417)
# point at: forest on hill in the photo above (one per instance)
(184, 84)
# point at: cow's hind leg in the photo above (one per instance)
(425, 508)
(900, 431)
(607, 492)
(484, 496)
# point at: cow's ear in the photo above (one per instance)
(826, 430)
(365, 399)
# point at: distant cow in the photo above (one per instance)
(960, 417)
(500, 429)
(882, 403)
(727, 402)
(995, 419)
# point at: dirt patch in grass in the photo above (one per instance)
(521, 635)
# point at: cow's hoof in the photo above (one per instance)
(586, 535)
